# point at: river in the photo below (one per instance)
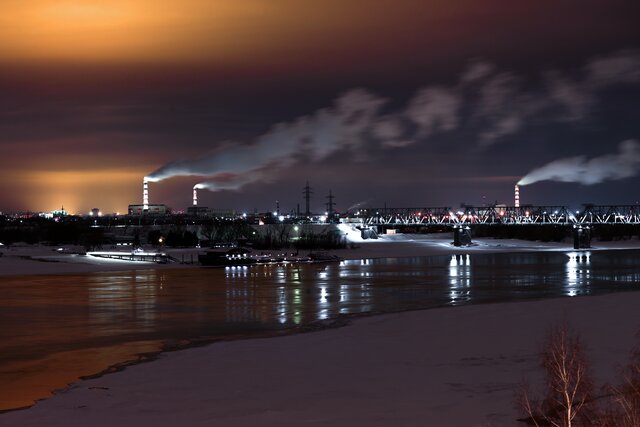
(56, 328)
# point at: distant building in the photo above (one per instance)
(203, 211)
(222, 213)
(59, 213)
(198, 211)
(138, 210)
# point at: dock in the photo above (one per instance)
(137, 256)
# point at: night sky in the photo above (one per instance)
(403, 102)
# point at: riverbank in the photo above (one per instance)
(454, 366)
(36, 259)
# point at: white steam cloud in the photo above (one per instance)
(345, 125)
(494, 104)
(231, 182)
(624, 164)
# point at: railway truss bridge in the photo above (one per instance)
(498, 215)
(464, 219)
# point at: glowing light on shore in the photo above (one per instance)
(78, 191)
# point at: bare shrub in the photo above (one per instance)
(568, 383)
(623, 404)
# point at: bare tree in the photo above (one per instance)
(568, 383)
(624, 404)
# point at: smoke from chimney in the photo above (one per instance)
(624, 164)
(231, 182)
(362, 124)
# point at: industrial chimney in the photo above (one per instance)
(145, 195)
(517, 196)
(195, 196)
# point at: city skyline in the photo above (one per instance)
(407, 103)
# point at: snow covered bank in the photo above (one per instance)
(452, 366)
(403, 245)
(35, 259)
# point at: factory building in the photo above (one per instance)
(223, 213)
(146, 208)
(138, 210)
(198, 211)
(202, 211)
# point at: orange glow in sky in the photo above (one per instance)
(210, 31)
(79, 191)
(142, 30)
(99, 30)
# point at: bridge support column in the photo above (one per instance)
(368, 233)
(581, 237)
(461, 235)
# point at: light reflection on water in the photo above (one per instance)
(42, 316)
(305, 293)
(578, 271)
(112, 297)
(460, 278)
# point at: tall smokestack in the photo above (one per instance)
(145, 195)
(195, 196)
(517, 196)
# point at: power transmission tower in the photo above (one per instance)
(307, 197)
(330, 204)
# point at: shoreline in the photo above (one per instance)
(477, 377)
(150, 356)
(29, 260)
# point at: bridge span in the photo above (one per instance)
(499, 215)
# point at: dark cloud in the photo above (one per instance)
(494, 103)
(452, 91)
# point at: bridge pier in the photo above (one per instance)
(461, 235)
(367, 232)
(581, 237)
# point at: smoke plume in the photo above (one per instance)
(231, 181)
(345, 125)
(624, 164)
(492, 104)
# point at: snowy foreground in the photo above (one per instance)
(441, 367)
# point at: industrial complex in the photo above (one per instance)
(200, 222)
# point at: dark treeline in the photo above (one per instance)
(95, 234)
(285, 236)
(40, 230)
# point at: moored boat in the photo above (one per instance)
(223, 258)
